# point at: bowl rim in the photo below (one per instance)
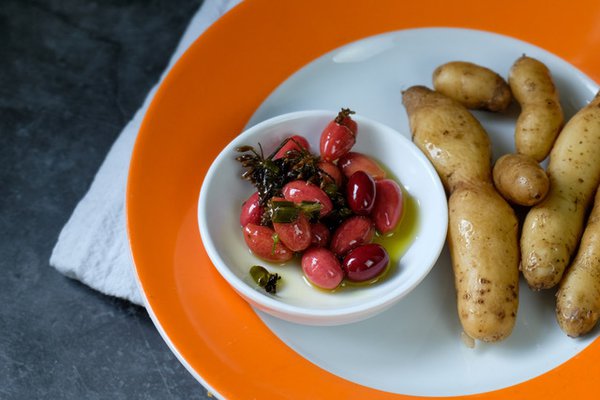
(343, 313)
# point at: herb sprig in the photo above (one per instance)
(269, 175)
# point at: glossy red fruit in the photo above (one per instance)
(389, 205)
(353, 232)
(322, 268)
(365, 262)
(298, 191)
(332, 172)
(295, 235)
(292, 144)
(261, 240)
(353, 161)
(320, 234)
(339, 136)
(360, 193)
(252, 211)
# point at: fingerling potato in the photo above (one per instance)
(578, 299)
(541, 117)
(482, 226)
(472, 85)
(552, 228)
(520, 179)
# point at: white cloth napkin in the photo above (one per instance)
(93, 245)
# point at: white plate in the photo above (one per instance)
(415, 347)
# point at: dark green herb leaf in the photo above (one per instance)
(311, 209)
(259, 274)
(283, 211)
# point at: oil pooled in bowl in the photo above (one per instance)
(294, 288)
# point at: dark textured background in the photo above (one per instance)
(72, 73)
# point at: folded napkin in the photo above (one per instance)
(93, 246)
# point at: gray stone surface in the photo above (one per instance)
(72, 73)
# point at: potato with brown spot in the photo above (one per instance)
(482, 231)
(578, 299)
(520, 179)
(472, 85)
(541, 117)
(450, 137)
(552, 228)
(483, 246)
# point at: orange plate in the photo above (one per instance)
(207, 99)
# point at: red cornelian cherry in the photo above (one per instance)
(366, 262)
(389, 205)
(361, 193)
(351, 162)
(263, 243)
(298, 191)
(332, 172)
(252, 211)
(322, 268)
(293, 143)
(353, 232)
(295, 235)
(320, 234)
(339, 136)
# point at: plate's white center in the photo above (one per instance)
(415, 348)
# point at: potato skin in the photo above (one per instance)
(578, 299)
(520, 179)
(483, 233)
(449, 135)
(482, 226)
(541, 117)
(552, 228)
(472, 85)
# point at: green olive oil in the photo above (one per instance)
(397, 241)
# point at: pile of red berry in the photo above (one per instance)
(327, 208)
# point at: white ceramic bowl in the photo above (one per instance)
(223, 192)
